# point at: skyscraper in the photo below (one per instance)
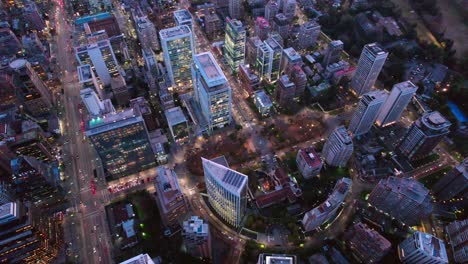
(178, 51)
(370, 64)
(403, 198)
(457, 232)
(424, 135)
(197, 238)
(280, 24)
(422, 248)
(454, 183)
(234, 43)
(183, 17)
(262, 28)
(269, 60)
(235, 9)
(212, 91)
(399, 98)
(122, 142)
(333, 53)
(146, 32)
(308, 34)
(98, 52)
(227, 190)
(338, 148)
(366, 112)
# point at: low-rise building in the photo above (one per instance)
(285, 91)
(250, 82)
(275, 188)
(263, 102)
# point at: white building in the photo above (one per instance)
(212, 91)
(370, 64)
(140, 259)
(422, 248)
(227, 190)
(178, 51)
(396, 103)
(308, 34)
(183, 17)
(366, 112)
(268, 258)
(338, 148)
(197, 238)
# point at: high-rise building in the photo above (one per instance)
(262, 28)
(178, 51)
(366, 244)
(122, 142)
(299, 78)
(268, 63)
(396, 103)
(146, 32)
(252, 47)
(366, 112)
(32, 17)
(227, 190)
(268, 258)
(403, 198)
(234, 43)
(170, 199)
(338, 148)
(454, 183)
(178, 124)
(285, 91)
(308, 162)
(141, 106)
(250, 82)
(280, 24)
(88, 80)
(32, 92)
(457, 232)
(370, 64)
(333, 53)
(212, 91)
(213, 25)
(424, 135)
(99, 53)
(235, 9)
(308, 34)
(183, 17)
(32, 143)
(289, 8)
(94, 105)
(119, 89)
(197, 238)
(422, 248)
(290, 58)
(271, 10)
(9, 43)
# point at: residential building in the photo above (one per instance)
(146, 32)
(169, 198)
(257, 7)
(262, 28)
(268, 63)
(457, 232)
(422, 248)
(308, 34)
(178, 124)
(31, 90)
(290, 58)
(370, 64)
(338, 148)
(234, 9)
(212, 91)
(122, 142)
(262, 102)
(424, 135)
(403, 198)
(454, 183)
(249, 81)
(366, 112)
(337, 67)
(299, 78)
(308, 162)
(269, 258)
(271, 9)
(326, 211)
(178, 51)
(234, 43)
(285, 91)
(280, 24)
(366, 244)
(99, 53)
(276, 187)
(333, 53)
(197, 238)
(289, 8)
(183, 17)
(396, 103)
(227, 190)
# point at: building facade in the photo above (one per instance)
(234, 43)
(370, 64)
(454, 183)
(285, 91)
(396, 103)
(424, 135)
(338, 148)
(366, 244)
(457, 232)
(227, 190)
(422, 248)
(366, 112)
(308, 34)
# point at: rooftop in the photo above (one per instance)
(268, 258)
(175, 116)
(310, 156)
(292, 54)
(182, 15)
(231, 179)
(8, 212)
(263, 99)
(433, 246)
(195, 225)
(375, 49)
(96, 17)
(209, 69)
(84, 73)
(435, 120)
(343, 134)
(140, 259)
(111, 121)
(406, 187)
(173, 32)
